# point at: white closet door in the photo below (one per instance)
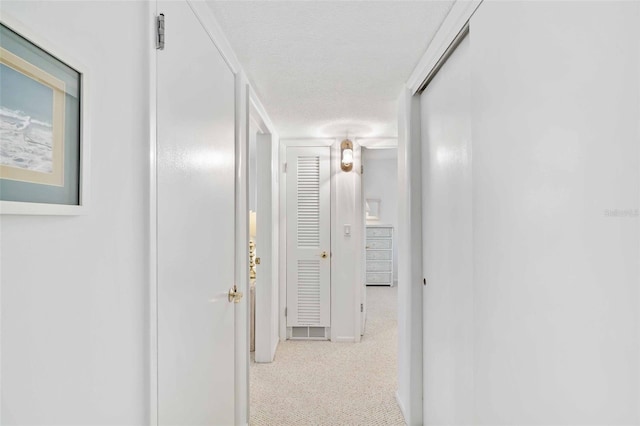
(447, 243)
(196, 216)
(308, 236)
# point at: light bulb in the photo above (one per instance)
(347, 156)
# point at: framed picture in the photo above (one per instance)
(43, 148)
(373, 208)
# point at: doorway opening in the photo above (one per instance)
(263, 239)
(380, 201)
(336, 381)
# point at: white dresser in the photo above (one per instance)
(379, 250)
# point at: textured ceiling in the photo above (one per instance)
(325, 68)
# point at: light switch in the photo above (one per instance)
(347, 230)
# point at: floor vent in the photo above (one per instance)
(308, 333)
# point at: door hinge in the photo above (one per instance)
(362, 307)
(285, 311)
(284, 168)
(160, 32)
(361, 169)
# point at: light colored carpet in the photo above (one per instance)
(325, 383)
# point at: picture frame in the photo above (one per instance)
(44, 144)
(372, 208)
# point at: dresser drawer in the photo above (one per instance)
(379, 244)
(380, 278)
(379, 254)
(379, 266)
(374, 232)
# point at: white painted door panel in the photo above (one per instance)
(447, 243)
(308, 236)
(196, 202)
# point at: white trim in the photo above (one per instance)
(455, 21)
(335, 169)
(402, 411)
(409, 240)
(153, 222)
(282, 240)
(346, 339)
(257, 109)
(213, 29)
(242, 311)
(378, 143)
(26, 208)
(358, 236)
(638, 328)
(307, 142)
(259, 116)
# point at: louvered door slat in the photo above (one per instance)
(308, 230)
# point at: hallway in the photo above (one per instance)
(325, 383)
(483, 155)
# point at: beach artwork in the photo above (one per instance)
(31, 123)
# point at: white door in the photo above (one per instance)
(308, 237)
(195, 228)
(447, 243)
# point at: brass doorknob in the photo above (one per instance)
(235, 295)
(324, 255)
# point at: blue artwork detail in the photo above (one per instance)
(26, 116)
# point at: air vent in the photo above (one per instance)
(308, 333)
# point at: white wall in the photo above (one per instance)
(555, 142)
(75, 288)
(555, 109)
(346, 250)
(380, 180)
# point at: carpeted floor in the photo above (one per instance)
(325, 383)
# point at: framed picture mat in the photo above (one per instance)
(15, 62)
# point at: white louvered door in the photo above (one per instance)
(308, 237)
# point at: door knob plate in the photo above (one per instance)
(235, 296)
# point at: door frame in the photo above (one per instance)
(282, 238)
(259, 116)
(244, 96)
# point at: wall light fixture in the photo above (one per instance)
(346, 155)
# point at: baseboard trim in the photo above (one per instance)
(344, 339)
(404, 414)
(274, 349)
